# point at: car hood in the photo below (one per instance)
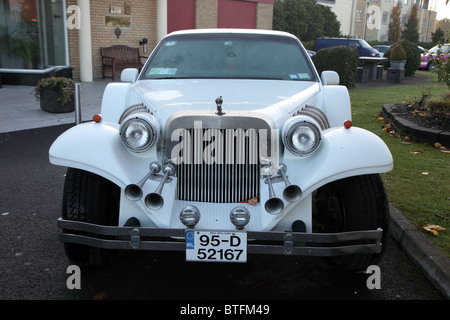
(271, 97)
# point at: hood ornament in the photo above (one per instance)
(219, 102)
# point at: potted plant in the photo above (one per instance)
(397, 58)
(56, 94)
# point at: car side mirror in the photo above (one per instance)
(330, 78)
(129, 75)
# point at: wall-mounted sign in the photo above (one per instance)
(117, 21)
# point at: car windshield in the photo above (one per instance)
(364, 44)
(230, 56)
(444, 48)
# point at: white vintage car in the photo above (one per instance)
(227, 144)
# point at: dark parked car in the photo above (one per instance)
(381, 48)
(361, 46)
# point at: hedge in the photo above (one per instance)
(342, 59)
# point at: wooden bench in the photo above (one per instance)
(120, 57)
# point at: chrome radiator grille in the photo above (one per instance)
(219, 165)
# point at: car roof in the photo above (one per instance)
(232, 31)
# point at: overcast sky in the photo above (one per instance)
(443, 11)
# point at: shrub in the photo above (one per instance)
(342, 59)
(412, 60)
(64, 85)
(398, 53)
(441, 66)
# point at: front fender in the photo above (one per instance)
(343, 153)
(96, 147)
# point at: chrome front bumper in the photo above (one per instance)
(276, 243)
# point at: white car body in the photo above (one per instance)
(343, 151)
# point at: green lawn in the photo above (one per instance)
(419, 184)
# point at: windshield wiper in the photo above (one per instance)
(163, 78)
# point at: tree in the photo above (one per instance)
(306, 19)
(331, 26)
(314, 20)
(411, 31)
(394, 25)
(438, 36)
(289, 16)
(444, 25)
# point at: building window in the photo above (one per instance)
(358, 16)
(424, 23)
(385, 18)
(33, 34)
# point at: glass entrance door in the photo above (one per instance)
(32, 34)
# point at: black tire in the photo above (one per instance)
(351, 204)
(89, 198)
(430, 66)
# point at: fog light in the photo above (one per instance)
(240, 216)
(190, 216)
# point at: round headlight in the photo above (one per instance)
(301, 137)
(139, 132)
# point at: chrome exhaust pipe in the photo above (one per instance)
(291, 192)
(273, 205)
(133, 192)
(154, 200)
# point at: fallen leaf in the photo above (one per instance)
(382, 119)
(101, 295)
(433, 228)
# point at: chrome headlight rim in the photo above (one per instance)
(148, 125)
(292, 126)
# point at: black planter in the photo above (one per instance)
(50, 97)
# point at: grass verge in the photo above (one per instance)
(419, 184)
